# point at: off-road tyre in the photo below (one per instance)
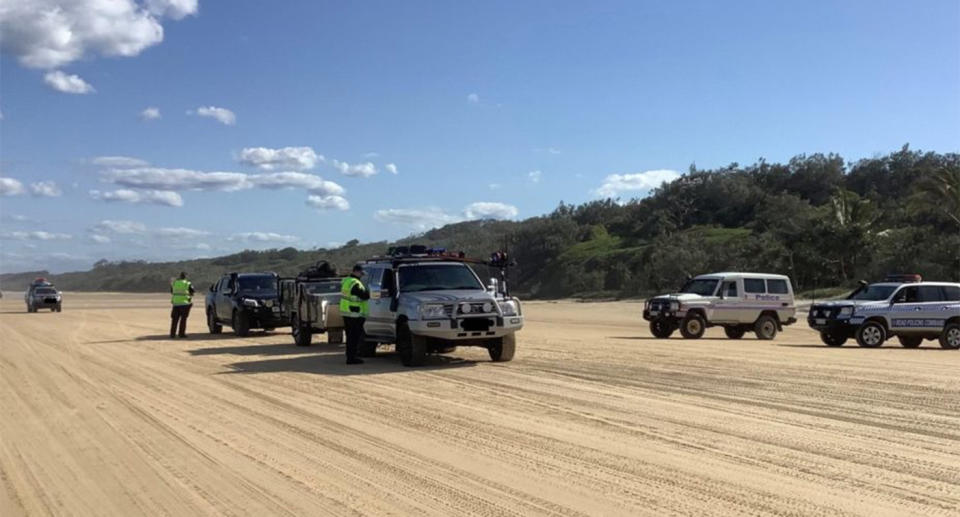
(212, 325)
(734, 331)
(661, 329)
(368, 348)
(30, 308)
(241, 326)
(910, 341)
(503, 349)
(950, 337)
(59, 308)
(693, 326)
(412, 348)
(871, 334)
(765, 327)
(302, 334)
(832, 338)
(335, 336)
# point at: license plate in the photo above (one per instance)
(821, 321)
(654, 313)
(276, 309)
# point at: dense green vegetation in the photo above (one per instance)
(818, 219)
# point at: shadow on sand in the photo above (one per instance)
(930, 347)
(330, 361)
(678, 338)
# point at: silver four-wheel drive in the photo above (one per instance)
(738, 302)
(428, 303)
(43, 295)
(912, 312)
(311, 303)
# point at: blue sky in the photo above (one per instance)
(490, 109)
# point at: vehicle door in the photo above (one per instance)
(755, 299)
(379, 283)
(932, 301)
(727, 307)
(905, 315)
(224, 294)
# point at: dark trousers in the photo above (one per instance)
(354, 328)
(179, 315)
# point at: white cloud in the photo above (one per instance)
(494, 186)
(263, 237)
(34, 236)
(121, 227)
(222, 115)
(180, 233)
(150, 113)
(328, 202)
(10, 187)
(100, 239)
(296, 158)
(473, 98)
(177, 179)
(391, 168)
(615, 184)
(421, 219)
(48, 34)
(363, 170)
(156, 197)
(176, 9)
(309, 182)
(45, 189)
(535, 176)
(489, 210)
(67, 83)
(120, 162)
(371, 155)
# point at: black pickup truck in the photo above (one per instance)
(244, 301)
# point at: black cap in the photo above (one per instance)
(183, 275)
(357, 267)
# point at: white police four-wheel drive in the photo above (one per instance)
(738, 302)
(912, 312)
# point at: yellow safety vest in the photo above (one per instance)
(352, 306)
(181, 292)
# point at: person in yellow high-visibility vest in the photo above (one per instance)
(353, 308)
(181, 296)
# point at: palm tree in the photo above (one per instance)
(940, 191)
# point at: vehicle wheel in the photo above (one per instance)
(368, 348)
(504, 349)
(910, 341)
(59, 308)
(335, 336)
(302, 334)
(212, 325)
(871, 334)
(661, 329)
(412, 349)
(693, 326)
(950, 338)
(832, 338)
(765, 327)
(734, 332)
(446, 350)
(241, 326)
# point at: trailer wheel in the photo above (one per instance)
(302, 334)
(504, 349)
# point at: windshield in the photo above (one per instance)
(258, 284)
(323, 288)
(701, 286)
(46, 290)
(874, 293)
(437, 278)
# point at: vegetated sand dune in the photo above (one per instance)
(102, 414)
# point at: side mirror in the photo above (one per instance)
(493, 286)
(213, 287)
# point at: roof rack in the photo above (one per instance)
(419, 253)
(905, 278)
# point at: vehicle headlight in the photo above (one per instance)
(465, 308)
(487, 307)
(432, 311)
(509, 308)
(846, 311)
(250, 302)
